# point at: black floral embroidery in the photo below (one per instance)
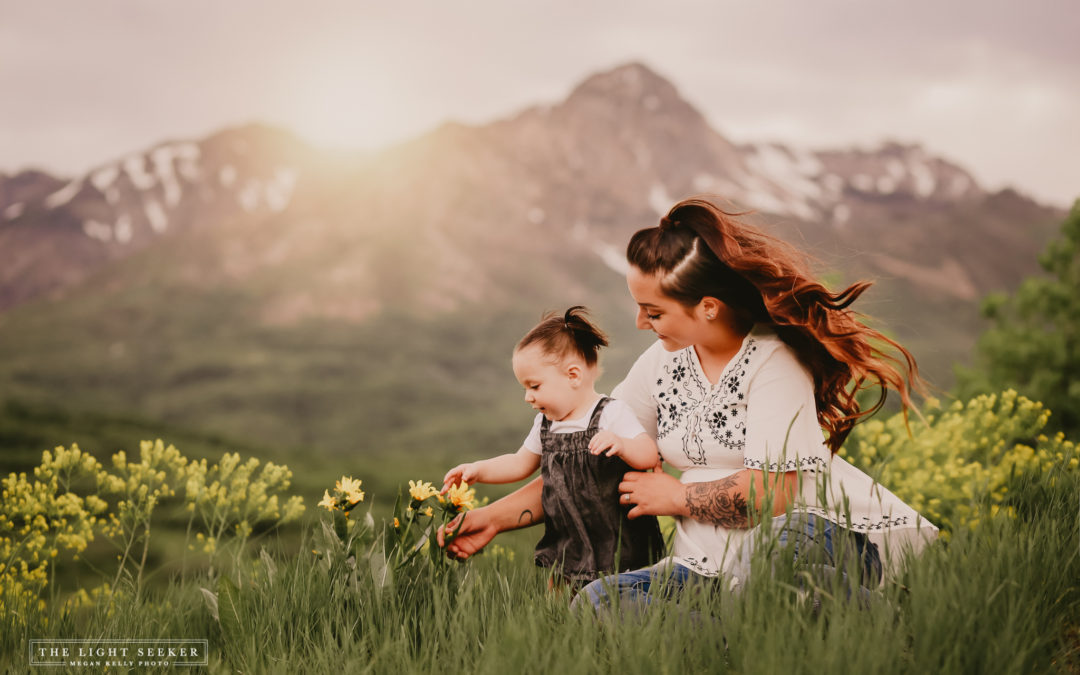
(807, 464)
(686, 399)
(728, 423)
(720, 418)
(680, 390)
(863, 524)
(697, 566)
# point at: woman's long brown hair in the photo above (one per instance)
(699, 250)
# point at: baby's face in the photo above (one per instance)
(551, 386)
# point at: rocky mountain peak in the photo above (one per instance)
(632, 82)
(632, 95)
(26, 186)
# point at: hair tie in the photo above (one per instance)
(566, 318)
(667, 223)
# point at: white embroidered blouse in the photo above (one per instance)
(759, 415)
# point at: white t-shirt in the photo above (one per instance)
(617, 417)
(762, 404)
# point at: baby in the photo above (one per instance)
(584, 442)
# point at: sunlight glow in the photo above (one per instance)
(343, 107)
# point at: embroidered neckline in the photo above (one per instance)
(716, 410)
(695, 361)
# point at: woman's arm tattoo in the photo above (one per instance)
(527, 514)
(717, 502)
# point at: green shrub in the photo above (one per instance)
(959, 463)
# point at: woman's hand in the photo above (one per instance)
(521, 508)
(653, 494)
(477, 531)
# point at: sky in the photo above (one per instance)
(992, 85)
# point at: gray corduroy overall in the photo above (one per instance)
(586, 531)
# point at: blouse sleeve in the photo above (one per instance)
(636, 389)
(782, 431)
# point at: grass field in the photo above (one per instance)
(999, 596)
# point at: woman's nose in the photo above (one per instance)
(642, 321)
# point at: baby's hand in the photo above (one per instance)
(603, 440)
(467, 473)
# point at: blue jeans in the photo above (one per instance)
(812, 542)
(835, 558)
(637, 588)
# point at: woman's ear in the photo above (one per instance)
(710, 307)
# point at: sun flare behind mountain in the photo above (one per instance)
(347, 107)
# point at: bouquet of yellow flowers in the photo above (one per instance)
(416, 519)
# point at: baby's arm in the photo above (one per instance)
(640, 452)
(513, 466)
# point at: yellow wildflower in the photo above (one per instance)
(327, 501)
(429, 512)
(461, 496)
(350, 487)
(346, 483)
(420, 490)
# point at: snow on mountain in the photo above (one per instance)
(54, 233)
(824, 185)
(140, 195)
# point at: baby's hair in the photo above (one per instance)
(565, 334)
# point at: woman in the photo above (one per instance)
(754, 360)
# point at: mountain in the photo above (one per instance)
(619, 150)
(54, 234)
(167, 280)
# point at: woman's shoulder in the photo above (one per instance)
(765, 334)
(770, 353)
(763, 344)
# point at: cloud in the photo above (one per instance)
(988, 83)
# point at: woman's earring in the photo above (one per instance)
(710, 317)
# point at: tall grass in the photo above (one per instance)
(1000, 596)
